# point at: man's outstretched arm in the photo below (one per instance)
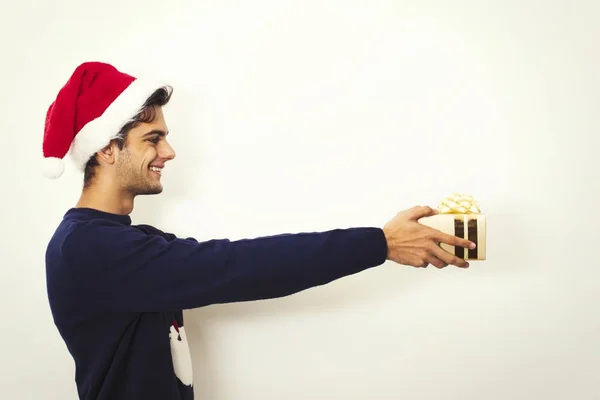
(127, 270)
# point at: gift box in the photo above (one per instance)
(460, 215)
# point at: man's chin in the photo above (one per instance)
(148, 191)
(155, 190)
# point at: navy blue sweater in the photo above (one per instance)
(117, 292)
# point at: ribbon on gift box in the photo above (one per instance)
(458, 203)
(463, 206)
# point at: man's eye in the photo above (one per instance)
(154, 140)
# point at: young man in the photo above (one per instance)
(117, 290)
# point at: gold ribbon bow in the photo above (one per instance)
(458, 203)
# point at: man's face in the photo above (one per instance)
(140, 162)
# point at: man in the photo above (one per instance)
(117, 290)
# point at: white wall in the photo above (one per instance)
(308, 115)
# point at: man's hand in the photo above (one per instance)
(411, 243)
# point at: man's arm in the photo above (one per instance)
(123, 269)
(127, 270)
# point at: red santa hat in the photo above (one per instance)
(88, 112)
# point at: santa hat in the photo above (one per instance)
(89, 111)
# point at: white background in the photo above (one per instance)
(294, 116)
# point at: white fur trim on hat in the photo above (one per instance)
(53, 167)
(97, 134)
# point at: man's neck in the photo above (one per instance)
(107, 200)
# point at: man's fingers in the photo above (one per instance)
(454, 240)
(421, 211)
(448, 258)
(437, 262)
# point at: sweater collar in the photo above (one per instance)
(90, 213)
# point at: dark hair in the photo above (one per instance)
(146, 115)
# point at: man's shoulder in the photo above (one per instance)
(89, 237)
(151, 230)
(88, 229)
(154, 231)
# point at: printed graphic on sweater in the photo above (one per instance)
(182, 361)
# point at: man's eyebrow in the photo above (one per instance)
(156, 132)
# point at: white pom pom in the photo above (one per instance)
(53, 167)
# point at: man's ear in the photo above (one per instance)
(107, 154)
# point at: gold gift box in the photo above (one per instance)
(459, 215)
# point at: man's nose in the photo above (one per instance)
(166, 151)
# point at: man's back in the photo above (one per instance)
(118, 354)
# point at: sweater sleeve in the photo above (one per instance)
(127, 270)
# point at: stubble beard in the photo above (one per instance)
(134, 179)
